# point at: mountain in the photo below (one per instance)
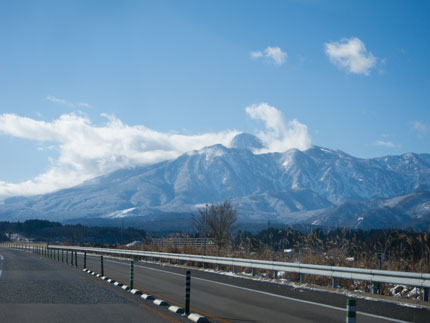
(406, 211)
(289, 187)
(246, 141)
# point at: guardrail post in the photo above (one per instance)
(351, 311)
(131, 274)
(426, 294)
(67, 257)
(333, 282)
(253, 271)
(234, 269)
(302, 278)
(101, 266)
(379, 257)
(85, 259)
(375, 288)
(76, 259)
(275, 274)
(187, 293)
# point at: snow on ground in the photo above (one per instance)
(413, 293)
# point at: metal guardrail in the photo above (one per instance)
(181, 242)
(373, 275)
(53, 252)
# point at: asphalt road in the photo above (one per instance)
(37, 289)
(228, 299)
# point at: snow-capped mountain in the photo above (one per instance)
(281, 187)
(406, 211)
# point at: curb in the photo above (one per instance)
(136, 291)
(147, 297)
(176, 309)
(197, 318)
(160, 302)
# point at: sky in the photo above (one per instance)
(88, 87)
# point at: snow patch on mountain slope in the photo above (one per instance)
(120, 213)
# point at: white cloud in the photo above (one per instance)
(419, 127)
(273, 55)
(86, 150)
(256, 54)
(56, 100)
(279, 136)
(351, 54)
(382, 143)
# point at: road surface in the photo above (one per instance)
(224, 298)
(37, 289)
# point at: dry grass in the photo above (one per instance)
(412, 256)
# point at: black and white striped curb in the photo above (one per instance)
(176, 309)
(159, 302)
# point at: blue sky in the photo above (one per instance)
(90, 86)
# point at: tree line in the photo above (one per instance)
(55, 232)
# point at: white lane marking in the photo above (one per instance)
(270, 294)
(1, 258)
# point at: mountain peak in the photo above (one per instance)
(246, 141)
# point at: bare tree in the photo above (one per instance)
(216, 222)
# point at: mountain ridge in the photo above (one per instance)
(279, 187)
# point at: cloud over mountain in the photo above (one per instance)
(87, 150)
(279, 135)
